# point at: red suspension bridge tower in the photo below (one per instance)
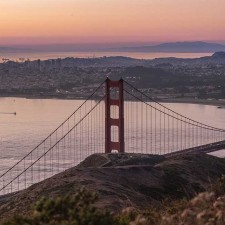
(114, 87)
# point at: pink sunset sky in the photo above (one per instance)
(110, 21)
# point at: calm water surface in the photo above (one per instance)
(37, 118)
(138, 55)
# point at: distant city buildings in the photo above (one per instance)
(75, 77)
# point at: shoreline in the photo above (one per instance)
(213, 102)
(85, 54)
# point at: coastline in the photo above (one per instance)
(213, 102)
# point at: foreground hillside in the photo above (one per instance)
(131, 180)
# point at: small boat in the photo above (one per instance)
(12, 113)
(220, 107)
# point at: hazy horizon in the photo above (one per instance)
(92, 46)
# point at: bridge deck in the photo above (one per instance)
(212, 147)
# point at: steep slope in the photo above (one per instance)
(134, 180)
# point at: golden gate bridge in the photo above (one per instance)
(116, 117)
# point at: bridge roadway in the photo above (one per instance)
(212, 147)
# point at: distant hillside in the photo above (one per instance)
(184, 47)
(5, 49)
(173, 47)
(14, 50)
(218, 55)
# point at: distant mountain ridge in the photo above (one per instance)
(218, 55)
(182, 47)
(170, 47)
(14, 50)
